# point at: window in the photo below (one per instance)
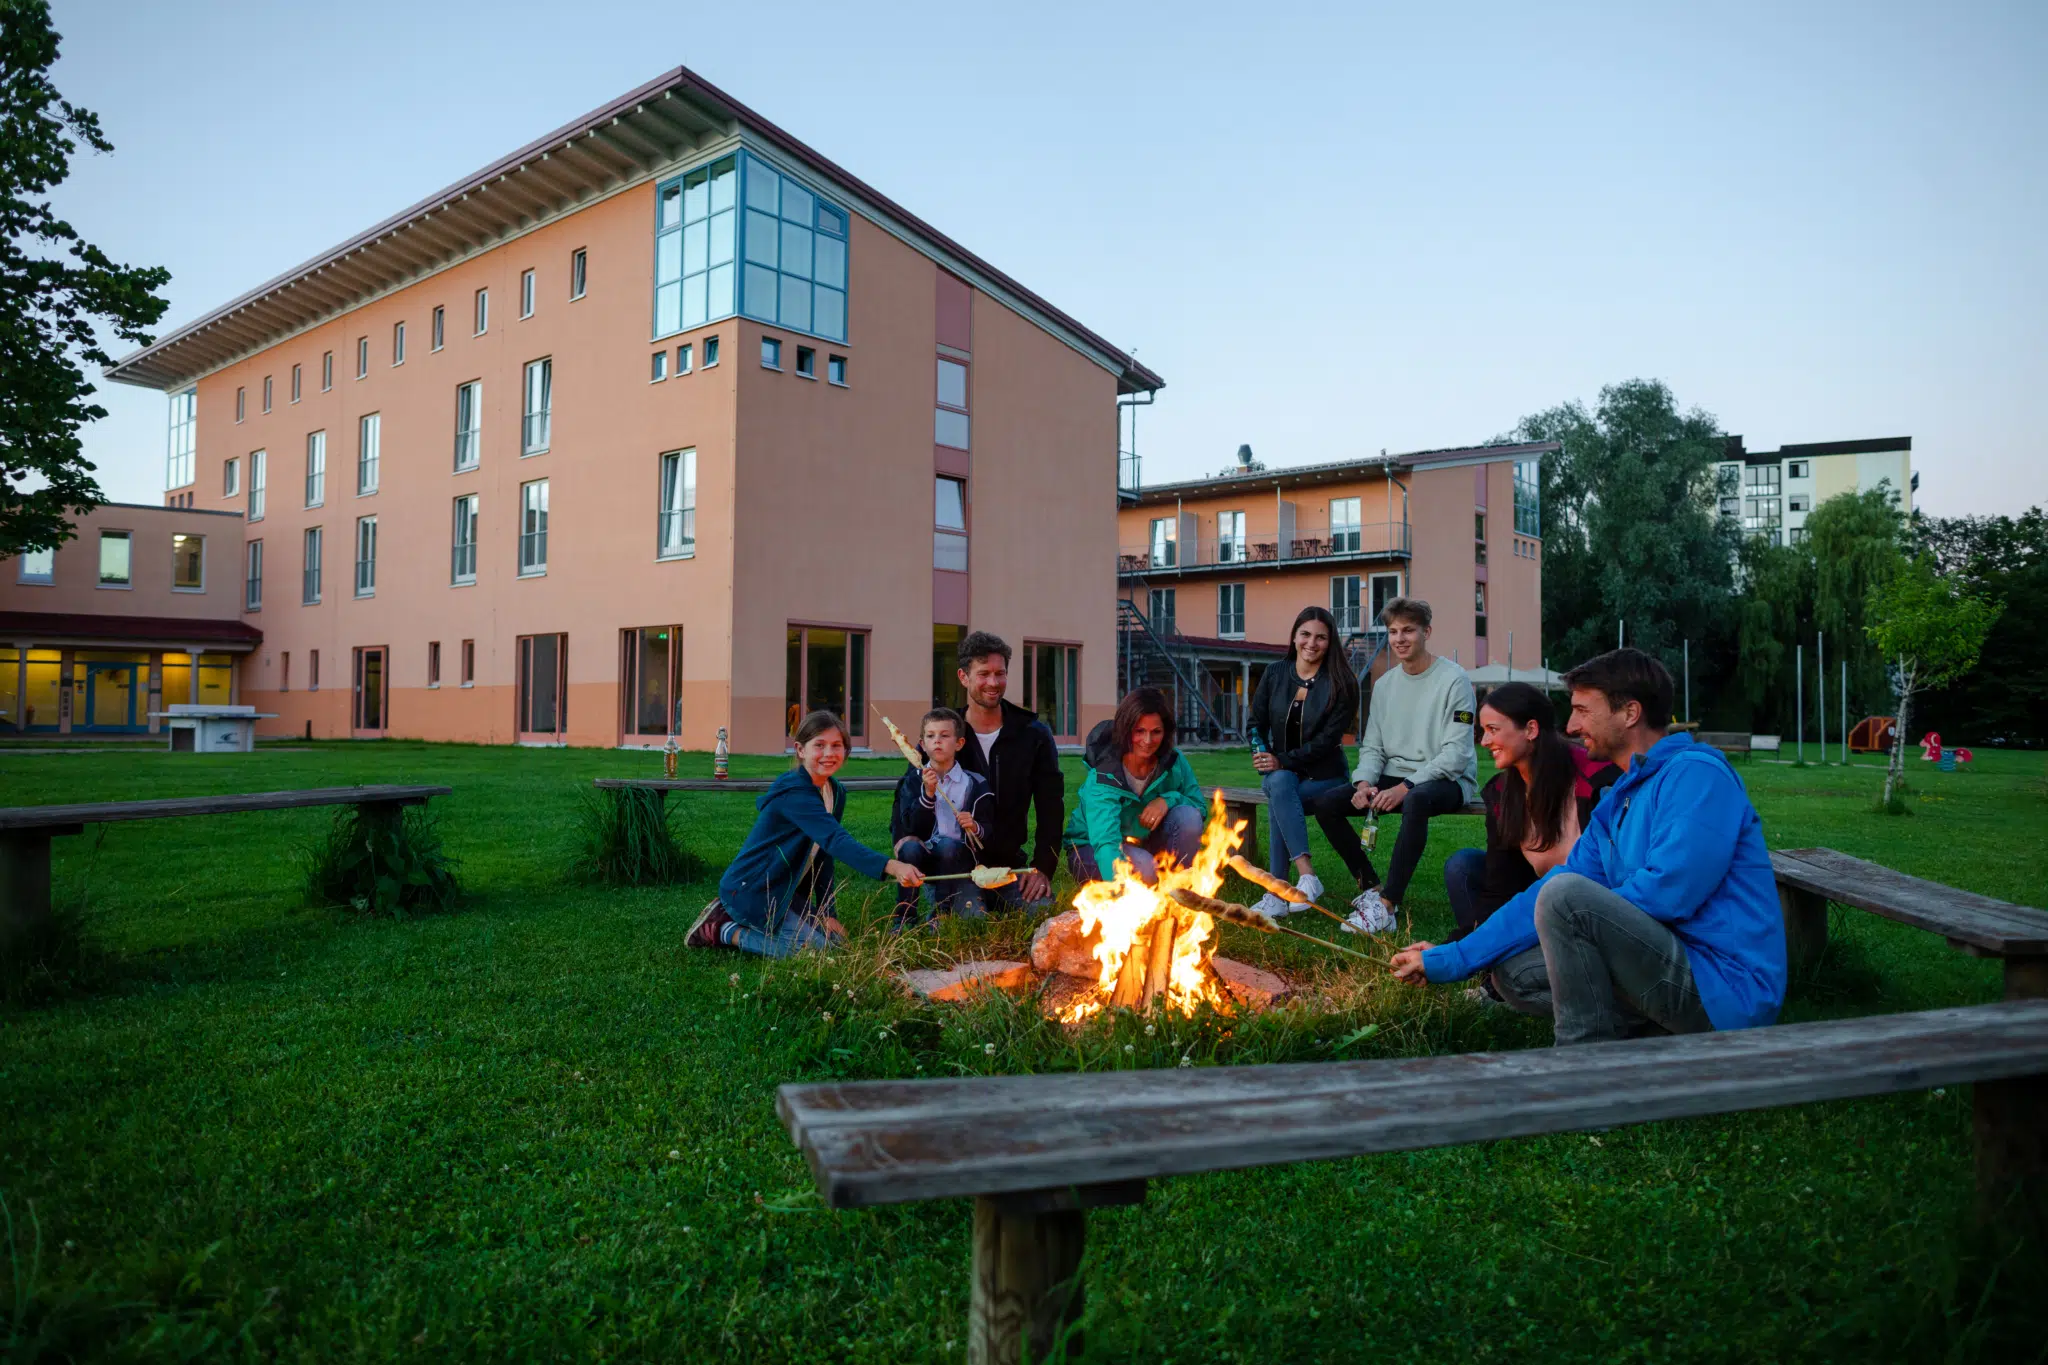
(650, 680)
(438, 332)
(676, 537)
(1479, 610)
(298, 376)
(257, 460)
(835, 370)
(1345, 534)
(266, 393)
(1761, 503)
(533, 527)
(481, 311)
(1479, 537)
(469, 417)
(659, 371)
(252, 587)
(309, 572)
(683, 358)
(397, 343)
(316, 468)
(188, 563)
(1798, 469)
(469, 663)
(1344, 604)
(771, 353)
(1528, 482)
(362, 357)
(1384, 589)
(1230, 545)
(1165, 542)
(827, 671)
(241, 403)
(950, 421)
(795, 250)
(183, 441)
(1230, 610)
(807, 362)
(38, 566)
(369, 441)
(1799, 502)
(366, 556)
(462, 554)
(539, 385)
(1162, 612)
(543, 679)
(231, 478)
(326, 371)
(1798, 534)
(710, 352)
(526, 293)
(284, 671)
(433, 663)
(579, 269)
(1052, 687)
(949, 538)
(694, 229)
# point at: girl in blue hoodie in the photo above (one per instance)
(776, 897)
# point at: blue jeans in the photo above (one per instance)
(794, 934)
(1288, 801)
(932, 857)
(1180, 834)
(1472, 900)
(1601, 968)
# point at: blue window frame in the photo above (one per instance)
(739, 236)
(1528, 513)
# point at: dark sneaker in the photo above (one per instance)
(704, 933)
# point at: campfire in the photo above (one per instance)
(1150, 948)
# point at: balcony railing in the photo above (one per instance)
(1380, 539)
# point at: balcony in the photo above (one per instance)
(1264, 552)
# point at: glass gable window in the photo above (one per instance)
(677, 534)
(779, 256)
(1528, 520)
(184, 438)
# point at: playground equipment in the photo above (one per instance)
(1874, 735)
(1932, 752)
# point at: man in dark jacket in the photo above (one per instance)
(1015, 751)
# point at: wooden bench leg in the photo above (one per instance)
(1245, 811)
(24, 886)
(1806, 925)
(2011, 1120)
(1027, 1293)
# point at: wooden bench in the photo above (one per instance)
(1729, 742)
(1036, 1152)
(1243, 803)
(1808, 878)
(665, 785)
(26, 831)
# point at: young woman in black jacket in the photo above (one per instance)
(1299, 716)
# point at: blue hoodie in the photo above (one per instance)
(1677, 838)
(762, 880)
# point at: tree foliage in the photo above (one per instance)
(1931, 628)
(2005, 560)
(56, 290)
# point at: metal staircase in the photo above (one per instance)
(1145, 658)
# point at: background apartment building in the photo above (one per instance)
(1212, 572)
(1770, 492)
(661, 421)
(140, 609)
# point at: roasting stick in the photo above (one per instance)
(917, 761)
(1252, 919)
(1259, 877)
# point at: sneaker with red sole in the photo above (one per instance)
(705, 932)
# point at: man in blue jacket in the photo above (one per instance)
(1665, 915)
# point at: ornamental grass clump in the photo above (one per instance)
(625, 839)
(380, 864)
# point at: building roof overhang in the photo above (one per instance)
(42, 628)
(648, 132)
(1344, 471)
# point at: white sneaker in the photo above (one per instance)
(1271, 906)
(1311, 886)
(1369, 914)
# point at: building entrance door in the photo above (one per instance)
(110, 697)
(370, 699)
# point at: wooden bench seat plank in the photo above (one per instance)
(732, 784)
(1995, 926)
(884, 1142)
(104, 812)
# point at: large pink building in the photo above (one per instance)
(661, 420)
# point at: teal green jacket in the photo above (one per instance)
(1108, 810)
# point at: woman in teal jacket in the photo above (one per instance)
(1140, 798)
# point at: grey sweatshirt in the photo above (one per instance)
(1420, 729)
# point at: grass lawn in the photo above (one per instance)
(538, 1128)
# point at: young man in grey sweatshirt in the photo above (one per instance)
(1416, 756)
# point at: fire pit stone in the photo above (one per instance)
(956, 983)
(1060, 946)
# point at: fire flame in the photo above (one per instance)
(1126, 911)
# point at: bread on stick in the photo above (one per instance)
(1266, 881)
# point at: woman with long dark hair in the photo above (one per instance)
(1297, 720)
(1139, 799)
(1536, 805)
